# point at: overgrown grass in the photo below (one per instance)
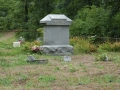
(5, 81)
(111, 56)
(82, 45)
(46, 78)
(83, 71)
(2, 34)
(111, 47)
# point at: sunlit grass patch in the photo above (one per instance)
(46, 78)
(83, 80)
(11, 61)
(6, 80)
(107, 78)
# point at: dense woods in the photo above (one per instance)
(90, 17)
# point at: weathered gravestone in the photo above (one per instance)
(56, 35)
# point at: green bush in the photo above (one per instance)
(114, 47)
(90, 20)
(82, 46)
(102, 57)
(28, 46)
(115, 26)
(40, 31)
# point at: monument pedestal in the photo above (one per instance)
(56, 35)
(57, 49)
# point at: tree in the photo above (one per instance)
(6, 14)
(114, 30)
(91, 20)
(29, 13)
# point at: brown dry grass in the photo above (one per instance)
(65, 80)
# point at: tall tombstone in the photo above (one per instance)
(56, 35)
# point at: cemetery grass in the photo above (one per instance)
(82, 73)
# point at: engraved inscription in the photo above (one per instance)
(58, 22)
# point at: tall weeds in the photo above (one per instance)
(82, 46)
(112, 47)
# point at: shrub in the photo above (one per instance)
(114, 47)
(90, 20)
(40, 31)
(105, 46)
(102, 57)
(26, 47)
(82, 46)
(31, 46)
(115, 26)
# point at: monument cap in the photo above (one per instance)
(56, 19)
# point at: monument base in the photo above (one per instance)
(57, 49)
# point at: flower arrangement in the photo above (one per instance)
(35, 48)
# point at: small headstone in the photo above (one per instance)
(16, 44)
(31, 58)
(67, 58)
(106, 58)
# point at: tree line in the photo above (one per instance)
(90, 17)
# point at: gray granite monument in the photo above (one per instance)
(56, 35)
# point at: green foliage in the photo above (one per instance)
(116, 59)
(27, 47)
(108, 78)
(72, 68)
(91, 20)
(6, 81)
(115, 26)
(46, 78)
(96, 17)
(56, 68)
(40, 31)
(83, 67)
(11, 62)
(102, 57)
(29, 35)
(114, 47)
(6, 49)
(92, 39)
(4, 63)
(84, 80)
(82, 46)
(6, 16)
(22, 77)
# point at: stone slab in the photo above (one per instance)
(56, 19)
(16, 44)
(57, 49)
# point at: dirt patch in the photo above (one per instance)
(7, 36)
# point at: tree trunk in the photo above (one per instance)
(26, 11)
